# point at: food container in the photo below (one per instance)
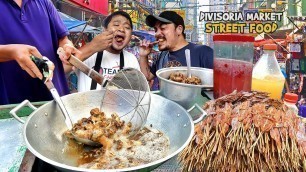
(187, 95)
(267, 75)
(233, 63)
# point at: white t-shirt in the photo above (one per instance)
(110, 65)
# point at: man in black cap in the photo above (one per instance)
(169, 32)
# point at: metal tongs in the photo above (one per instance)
(44, 69)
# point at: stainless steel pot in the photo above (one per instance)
(44, 128)
(187, 95)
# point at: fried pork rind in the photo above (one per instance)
(118, 150)
(98, 127)
(180, 77)
(247, 131)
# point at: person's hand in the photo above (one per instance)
(21, 53)
(102, 41)
(50, 68)
(45, 66)
(66, 51)
(145, 48)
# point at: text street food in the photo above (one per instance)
(180, 77)
(118, 149)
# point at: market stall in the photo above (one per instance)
(235, 129)
(80, 31)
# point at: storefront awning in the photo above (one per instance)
(279, 34)
(87, 29)
(70, 22)
(75, 25)
(298, 18)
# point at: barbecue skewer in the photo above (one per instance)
(151, 43)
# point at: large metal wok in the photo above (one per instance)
(44, 128)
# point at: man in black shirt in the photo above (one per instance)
(169, 32)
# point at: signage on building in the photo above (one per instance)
(182, 13)
(188, 27)
(99, 6)
(265, 10)
(134, 17)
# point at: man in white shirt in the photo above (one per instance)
(109, 44)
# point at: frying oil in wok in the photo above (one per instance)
(152, 145)
(74, 151)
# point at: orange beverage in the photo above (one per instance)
(267, 76)
(272, 85)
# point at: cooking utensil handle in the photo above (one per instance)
(59, 101)
(187, 54)
(87, 70)
(201, 110)
(17, 108)
(62, 107)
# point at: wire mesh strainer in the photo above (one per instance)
(127, 93)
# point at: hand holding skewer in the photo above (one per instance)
(145, 47)
(150, 44)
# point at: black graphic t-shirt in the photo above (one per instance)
(200, 56)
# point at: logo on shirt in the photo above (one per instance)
(173, 63)
(108, 73)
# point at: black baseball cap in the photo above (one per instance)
(165, 17)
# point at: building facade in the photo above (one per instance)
(220, 6)
(85, 10)
(188, 9)
(138, 10)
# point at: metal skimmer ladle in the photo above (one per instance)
(68, 120)
(43, 67)
(187, 54)
(128, 88)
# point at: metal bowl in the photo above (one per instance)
(184, 94)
